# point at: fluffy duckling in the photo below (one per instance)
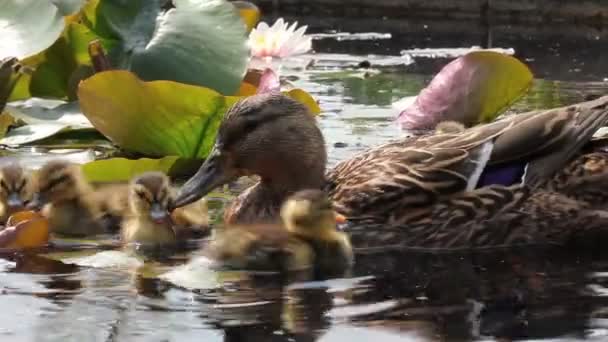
(308, 239)
(449, 127)
(67, 200)
(149, 222)
(15, 190)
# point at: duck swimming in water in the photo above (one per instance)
(306, 240)
(404, 183)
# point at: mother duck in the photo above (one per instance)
(417, 192)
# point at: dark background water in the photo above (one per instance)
(511, 294)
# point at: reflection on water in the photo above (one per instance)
(526, 294)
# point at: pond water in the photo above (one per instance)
(92, 294)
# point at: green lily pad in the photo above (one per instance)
(60, 67)
(158, 118)
(44, 118)
(37, 111)
(122, 169)
(28, 27)
(67, 7)
(8, 79)
(200, 42)
(471, 89)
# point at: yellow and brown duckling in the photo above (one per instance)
(449, 126)
(307, 240)
(67, 199)
(15, 190)
(149, 222)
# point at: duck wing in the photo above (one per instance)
(491, 217)
(398, 181)
(409, 174)
(548, 139)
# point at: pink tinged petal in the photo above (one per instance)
(263, 26)
(301, 30)
(444, 96)
(292, 28)
(269, 81)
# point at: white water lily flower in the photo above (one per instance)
(279, 40)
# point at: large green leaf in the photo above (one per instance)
(44, 118)
(471, 89)
(122, 169)
(157, 118)
(67, 7)
(28, 27)
(200, 42)
(60, 67)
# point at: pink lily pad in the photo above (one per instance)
(471, 89)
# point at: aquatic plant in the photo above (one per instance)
(280, 40)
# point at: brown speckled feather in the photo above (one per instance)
(491, 217)
(398, 182)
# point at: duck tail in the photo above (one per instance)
(581, 122)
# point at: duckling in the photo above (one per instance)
(308, 239)
(66, 198)
(449, 127)
(15, 190)
(148, 221)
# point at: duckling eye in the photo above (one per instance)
(53, 183)
(141, 195)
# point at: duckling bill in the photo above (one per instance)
(307, 240)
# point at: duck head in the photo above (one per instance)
(269, 135)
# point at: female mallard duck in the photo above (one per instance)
(15, 190)
(67, 200)
(148, 221)
(399, 183)
(307, 240)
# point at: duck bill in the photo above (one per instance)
(211, 175)
(14, 201)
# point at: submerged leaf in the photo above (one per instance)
(28, 27)
(199, 42)
(471, 89)
(158, 118)
(44, 118)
